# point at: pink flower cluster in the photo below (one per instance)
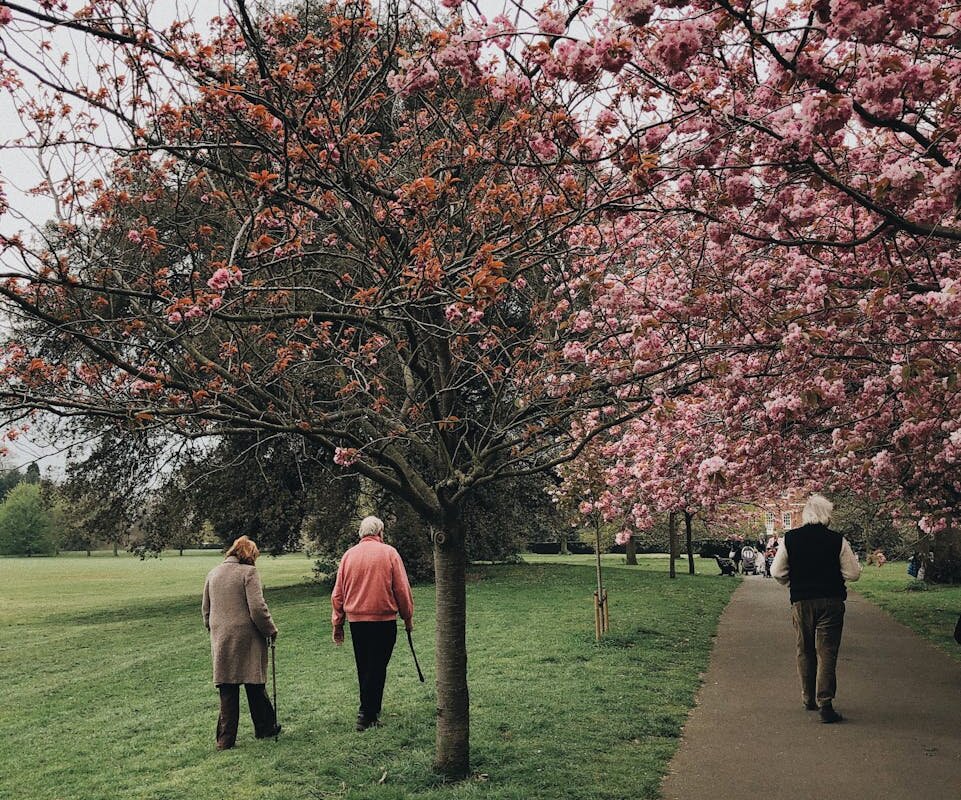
(677, 45)
(511, 86)
(613, 52)
(636, 12)
(551, 22)
(224, 278)
(346, 456)
(415, 76)
(575, 60)
(500, 31)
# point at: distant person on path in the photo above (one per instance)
(736, 554)
(240, 626)
(815, 562)
(371, 590)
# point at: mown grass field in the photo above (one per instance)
(933, 612)
(106, 689)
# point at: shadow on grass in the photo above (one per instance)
(180, 607)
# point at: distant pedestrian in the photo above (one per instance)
(240, 626)
(815, 562)
(736, 555)
(371, 590)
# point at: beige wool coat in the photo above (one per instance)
(239, 622)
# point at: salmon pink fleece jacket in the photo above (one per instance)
(371, 585)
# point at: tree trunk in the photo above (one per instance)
(563, 539)
(452, 746)
(88, 552)
(672, 541)
(181, 551)
(630, 551)
(115, 550)
(945, 564)
(689, 540)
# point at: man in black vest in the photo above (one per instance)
(815, 562)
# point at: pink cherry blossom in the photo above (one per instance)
(346, 456)
(636, 12)
(551, 22)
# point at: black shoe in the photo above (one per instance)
(810, 706)
(364, 722)
(829, 715)
(273, 733)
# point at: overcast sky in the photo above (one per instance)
(20, 173)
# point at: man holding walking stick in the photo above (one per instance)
(371, 590)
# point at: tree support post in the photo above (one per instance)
(601, 617)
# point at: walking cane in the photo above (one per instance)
(273, 674)
(410, 641)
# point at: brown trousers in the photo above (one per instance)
(818, 624)
(261, 712)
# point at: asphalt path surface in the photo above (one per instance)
(749, 737)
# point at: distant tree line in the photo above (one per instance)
(130, 491)
(269, 489)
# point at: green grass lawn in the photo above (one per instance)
(933, 612)
(106, 689)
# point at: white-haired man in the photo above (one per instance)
(371, 590)
(815, 562)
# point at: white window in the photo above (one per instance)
(786, 520)
(769, 521)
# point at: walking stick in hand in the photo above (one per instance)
(410, 641)
(273, 674)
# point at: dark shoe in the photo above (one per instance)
(224, 746)
(829, 715)
(810, 705)
(275, 732)
(364, 722)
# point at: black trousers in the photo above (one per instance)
(373, 645)
(261, 712)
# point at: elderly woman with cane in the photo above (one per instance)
(371, 590)
(240, 628)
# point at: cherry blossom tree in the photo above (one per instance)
(449, 250)
(335, 225)
(807, 153)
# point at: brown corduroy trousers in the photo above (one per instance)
(261, 712)
(818, 624)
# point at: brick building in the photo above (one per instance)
(783, 512)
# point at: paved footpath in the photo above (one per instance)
(749, 737)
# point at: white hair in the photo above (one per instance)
(371, 526)
(817, 510)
